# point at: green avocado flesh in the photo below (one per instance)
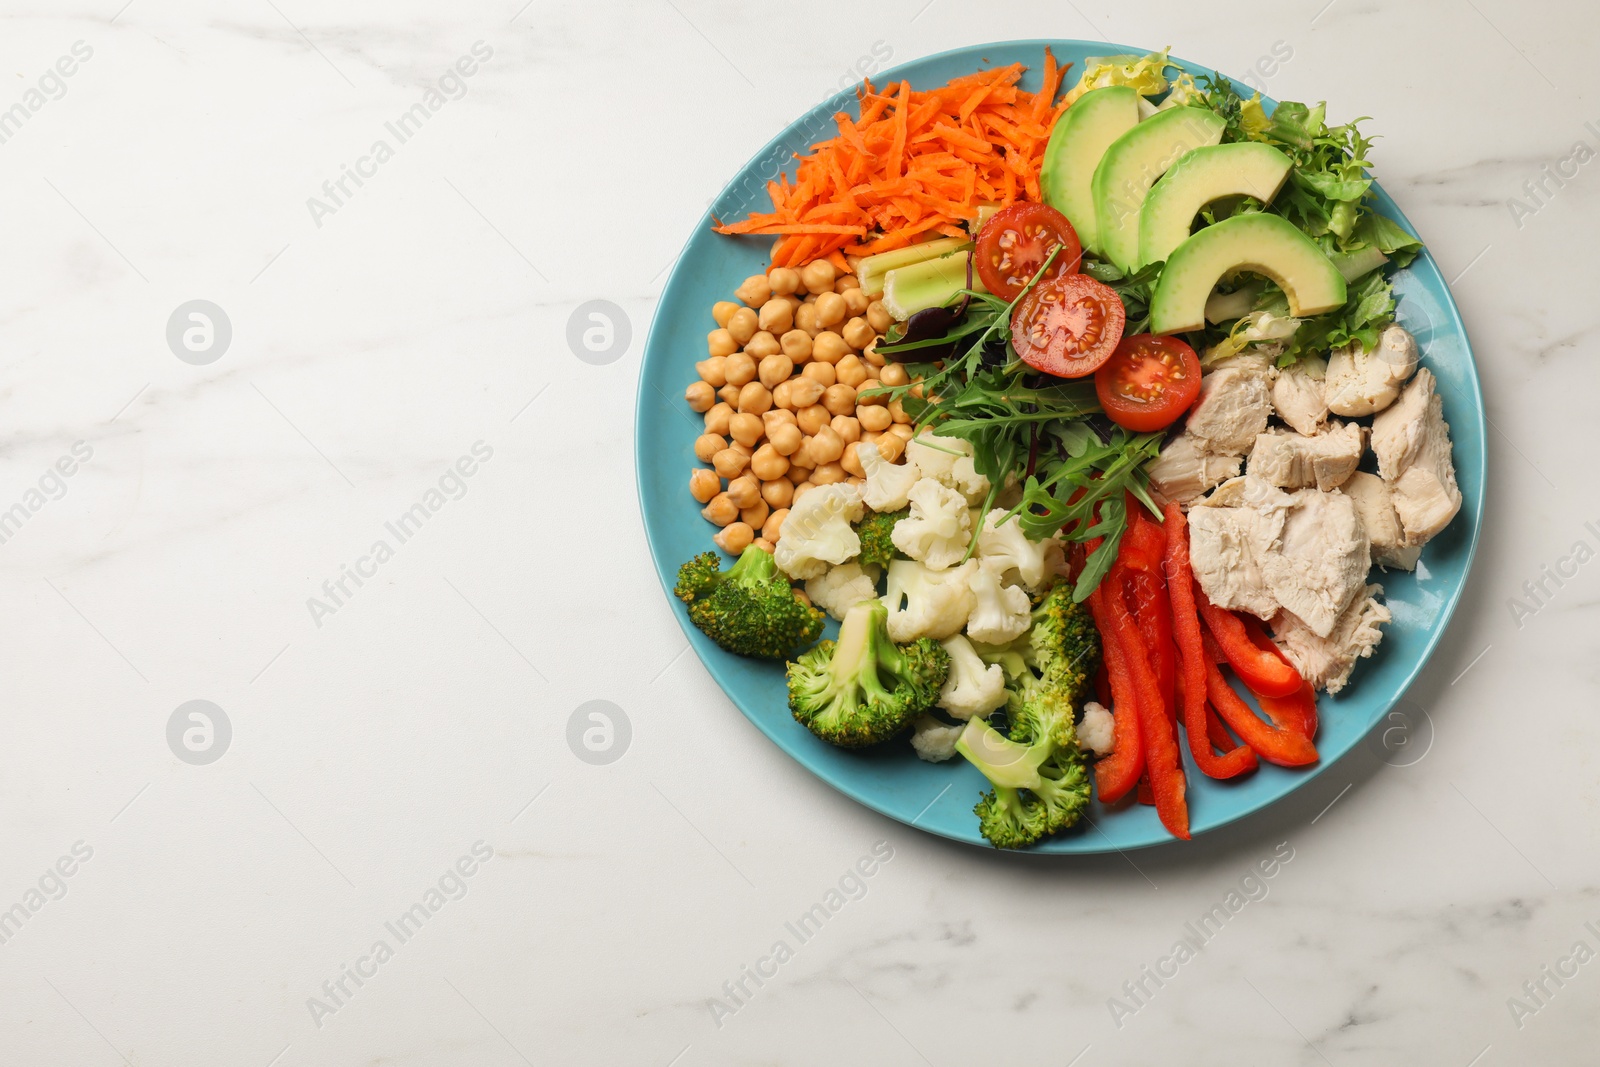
(1263, 244)
(1078, 142)
(1200, 177)
(1131, 166)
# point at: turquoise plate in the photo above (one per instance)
(938, 798)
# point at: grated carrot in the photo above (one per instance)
(914, 165)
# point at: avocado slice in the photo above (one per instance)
(1080, 139)
(1131, 166)
(1258, 242)
(1201, 176)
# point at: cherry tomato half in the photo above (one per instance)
(1014, 244)
(1068, 325)
(1148, 382)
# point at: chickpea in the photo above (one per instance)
(730, 462)
(796, 344)
(839, 399)
(825, 447)
(828, 474)
(720, 510)
(720, 342)
(700, 396)
(800, 490)
(778, 493)
(755, 514)
(704, 484)
(855, 301)
(871, 354)
(818, 276)
(728, 394)
(782, 397)
(764, 545)
(812, 418)
(851, 462)
(878, 316)
(742, 325)
(768, 463)
(895, 374)
(805, 391)
(775, 418)
(847, 427)
(762, 345)
(783, 280)
(802, 596)
(829, 347)
(785, 440)
(777, 315)
(891, 446)
(754, 290)
(897, 412)
(755, 398)
(718, 417)
(874, 418)
(708, 445)
(799, 475)
(858, 333)
(772, 529)
(851, 371)
(735, 538)
(805, 319)
(845, 283)
(746, 429)
(901, 430)
(712, 371)
(721, 310)
(745, 450)
(830, 308)
(868, 437)
(823, 374)
(744, 490)
(739, 369)
(775, 369)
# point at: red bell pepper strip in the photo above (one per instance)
(1197, 716)
(1161, 760)
(1144, 794)
(1264, 672)
(1102, 686)
(1276, 744)
(1153, 612)
(1298, 712)
(1142, 544)
(1119, 772)
(1221, 739)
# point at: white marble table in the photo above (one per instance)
(397, 767)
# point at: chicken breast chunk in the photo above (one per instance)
(1231, 534)
(1375, 504)
(1297, 395)
(1326, 662)
(1360, 383)
(1235, 401)
(1321, 559)
(1184, 469)
(1412, 443)
(1295, 461)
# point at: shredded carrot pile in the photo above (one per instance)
(915, 164)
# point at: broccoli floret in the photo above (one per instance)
(1039, 774)
(874, 531)
(749, 609)
(863, 688)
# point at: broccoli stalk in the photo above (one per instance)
(1040, 777)
(863, 688)
(750, 609)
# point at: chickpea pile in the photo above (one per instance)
(779, 389)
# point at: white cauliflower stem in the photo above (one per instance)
(1000, 612)
(934, 740)
(973, 687)
(817, 531)
(1009, 548)
(938, 529)
(887, 483)
(842, 587)
(937, 603)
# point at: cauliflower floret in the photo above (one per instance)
(842, 587)
(934, 741)
(1000, 612)
(937, 603)
(817, 531)
(1097, 731)
(887, 483)
(1010, 549)
(936, 456)
(938, 529)
(972, 687)
(965, 479)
